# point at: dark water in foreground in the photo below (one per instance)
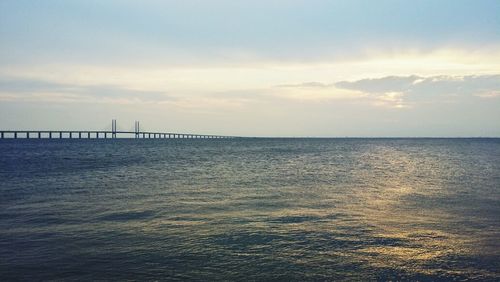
(300, 209)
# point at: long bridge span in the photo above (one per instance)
(105, 134)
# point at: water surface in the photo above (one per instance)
(250, 209)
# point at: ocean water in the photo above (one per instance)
(250, 209)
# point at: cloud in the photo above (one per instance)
(472, 84)
(406, 91)
(380, 85)
(39, 90)
(311, 84)
(401, 91)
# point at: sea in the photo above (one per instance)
(250, 209)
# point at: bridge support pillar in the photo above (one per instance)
(1, 135)
(39, 135)
(27, 135)
(105, 135)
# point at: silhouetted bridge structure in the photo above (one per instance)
(104, 134)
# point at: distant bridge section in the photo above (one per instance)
(104, 134)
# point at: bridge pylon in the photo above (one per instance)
(137, 129)
(113, 128)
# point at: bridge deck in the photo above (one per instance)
(105, 134)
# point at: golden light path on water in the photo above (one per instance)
(384, 206)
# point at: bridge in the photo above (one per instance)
(104, 134)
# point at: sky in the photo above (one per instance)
(307, 68)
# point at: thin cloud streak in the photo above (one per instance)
(40, 90)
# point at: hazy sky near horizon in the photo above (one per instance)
(253, 68)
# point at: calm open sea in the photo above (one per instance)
(250, 209)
